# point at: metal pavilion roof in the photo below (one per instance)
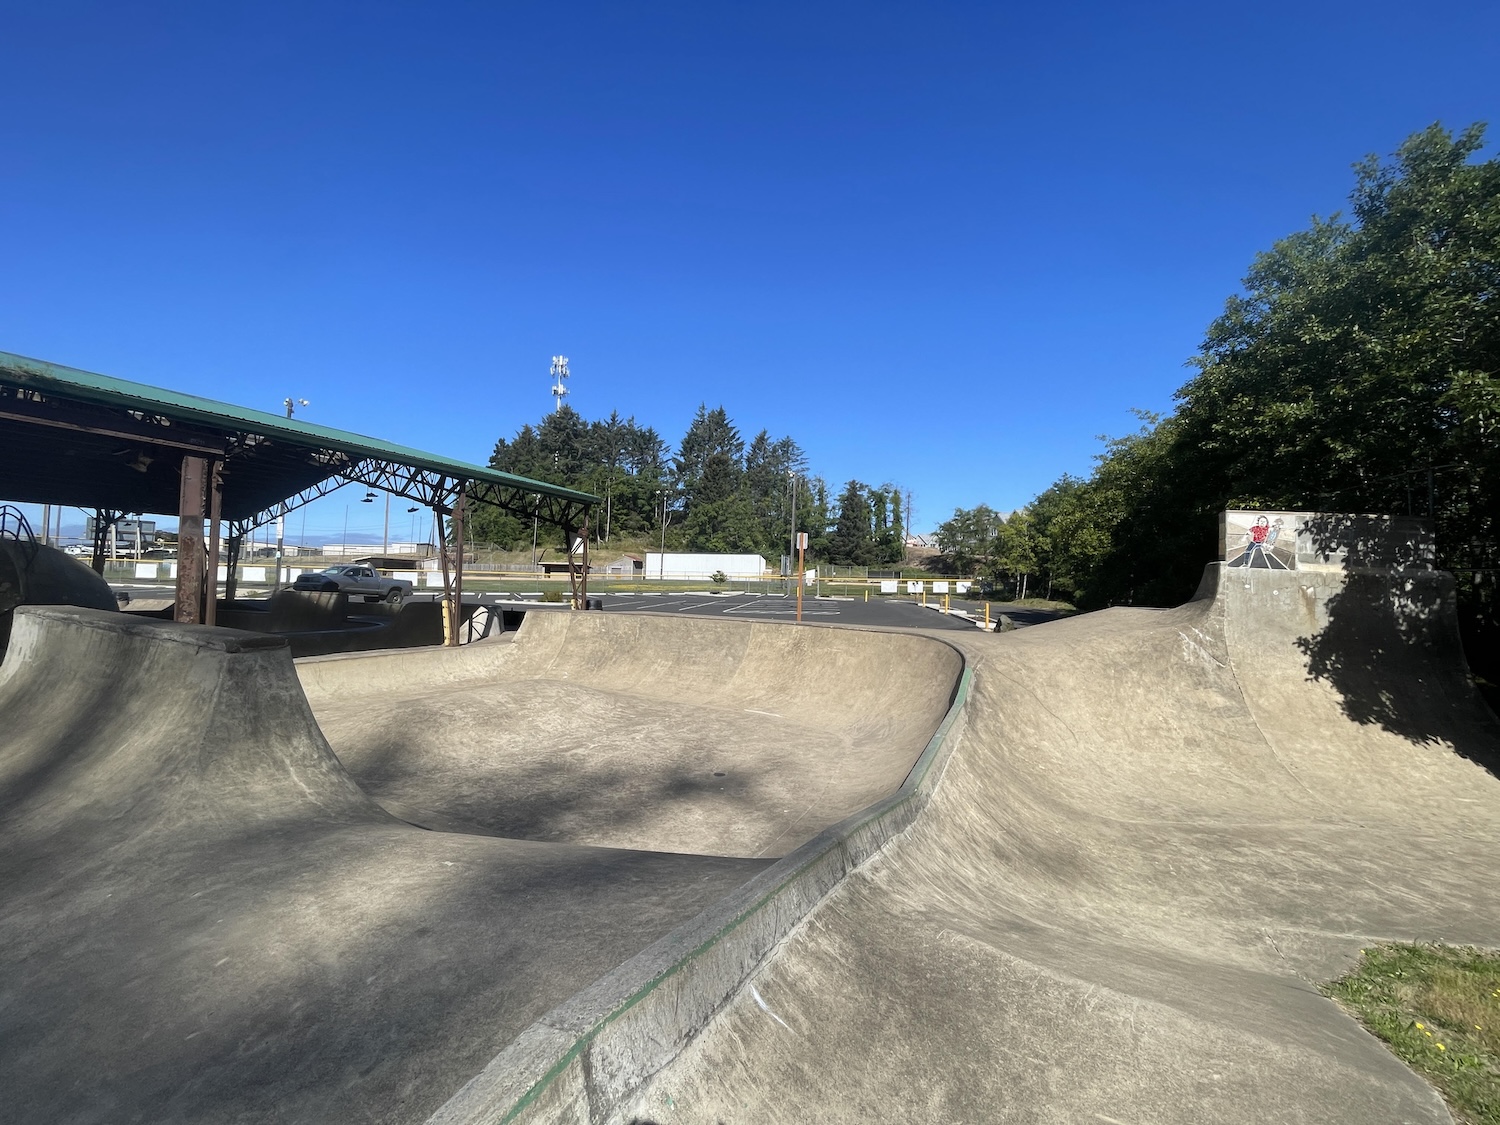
(79, 438)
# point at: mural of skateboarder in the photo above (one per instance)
(1260, 538)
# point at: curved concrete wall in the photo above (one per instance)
(34, 574)
(586, 1057)
(858, 683)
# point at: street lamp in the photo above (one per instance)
(661, 558)
(292, 404)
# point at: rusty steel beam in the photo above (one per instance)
(453, 595)
(215, 510)
(104, 530)
(194, 474)
(121, 426)
(231, 563)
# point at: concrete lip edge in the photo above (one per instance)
(705, 961)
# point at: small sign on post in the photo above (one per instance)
(577, 546)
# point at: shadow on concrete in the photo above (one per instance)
(315, 967)
(1390, 645)
(538, 801)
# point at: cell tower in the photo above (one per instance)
(559, 373)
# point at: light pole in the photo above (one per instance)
(291, 404)
(661, 558)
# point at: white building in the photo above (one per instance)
(128, 535)
(703, 566)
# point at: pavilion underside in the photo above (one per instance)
(75, 438)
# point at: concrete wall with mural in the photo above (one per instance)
(1274, 540)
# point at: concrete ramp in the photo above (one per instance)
(205, 919)
(1156, 832)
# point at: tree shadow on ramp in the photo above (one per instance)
(1389, 642)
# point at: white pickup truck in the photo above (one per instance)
(355, 580)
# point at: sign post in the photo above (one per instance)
(801, 547)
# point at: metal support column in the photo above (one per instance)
(569, 537)
(104, 534)
(583, 578)
(455, 607)
(442, 546)
(232, 562)
(190, 541)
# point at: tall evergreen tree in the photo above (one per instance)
(711, 432)
(851, 543)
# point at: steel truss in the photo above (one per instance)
(430, 489)
(448, 496)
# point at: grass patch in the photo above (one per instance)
(1438, 1008)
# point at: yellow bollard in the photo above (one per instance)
(945, 603)
(924, 595)
(986, 615)
(867, 594)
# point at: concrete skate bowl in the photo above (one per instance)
(1155, 832)
(655, 733)
(205, 918)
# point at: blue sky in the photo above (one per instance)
(944, 245)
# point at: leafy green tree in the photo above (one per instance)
(1070, 536)
(970, 539)
(1362, 356)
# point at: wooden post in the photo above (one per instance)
(190, 541)
(215, 510)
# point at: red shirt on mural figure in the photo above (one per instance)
(1259, 532)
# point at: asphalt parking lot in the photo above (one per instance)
(899, 612)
